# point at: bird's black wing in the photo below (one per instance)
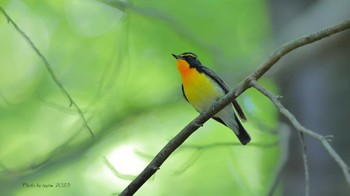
(218, 80)
(183, 92)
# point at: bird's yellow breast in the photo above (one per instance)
(200, 90)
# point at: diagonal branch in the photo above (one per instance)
(49, 69)
(174, 143)
(323, 139)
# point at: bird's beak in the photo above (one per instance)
(176, 56)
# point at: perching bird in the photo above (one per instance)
(201, 87)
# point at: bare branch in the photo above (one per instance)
(302, 129)
(306, 168)
(49, 69)
(174, 143)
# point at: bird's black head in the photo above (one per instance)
(190, 57)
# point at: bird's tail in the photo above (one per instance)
(229, 119)
(241, 133)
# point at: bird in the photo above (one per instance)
(201, 87)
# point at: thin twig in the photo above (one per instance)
(49, 69)
(189, 163)
(116, 172)
(306, 168)
(187, 131)
(181, 30)
(202, 148)
(226, 144)
(300, 128)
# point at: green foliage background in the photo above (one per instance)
(114, 60)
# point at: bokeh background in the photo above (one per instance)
(113, 58)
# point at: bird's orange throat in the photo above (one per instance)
(185, 71)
